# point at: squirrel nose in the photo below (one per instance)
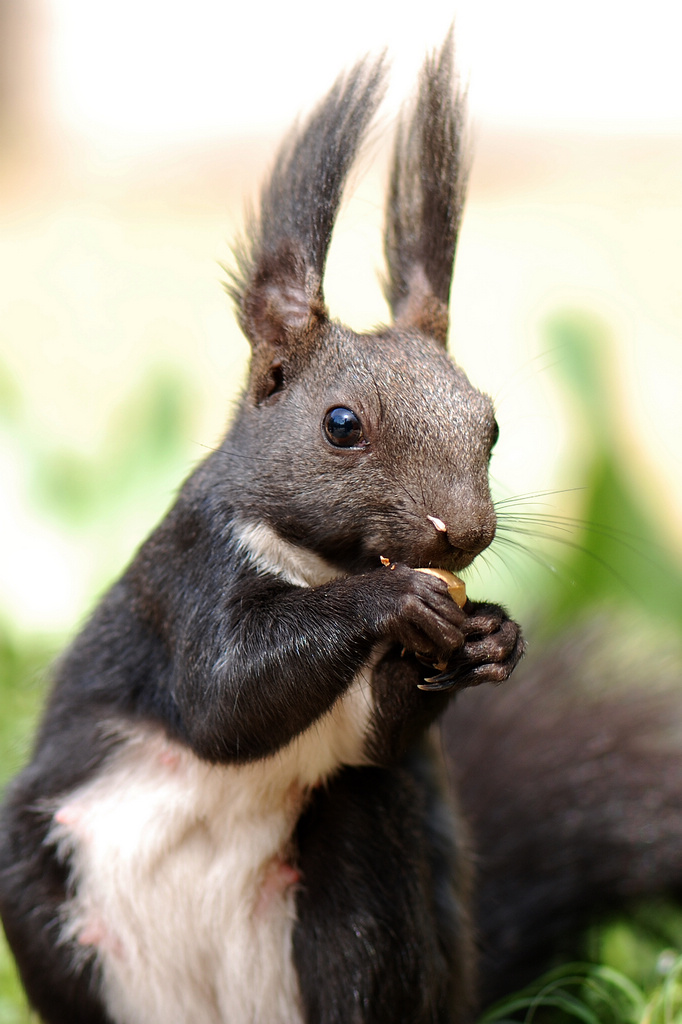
(472, 535)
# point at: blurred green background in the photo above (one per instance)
(120, 358)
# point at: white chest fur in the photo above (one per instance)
(183, 888)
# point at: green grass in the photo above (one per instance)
(595, 994)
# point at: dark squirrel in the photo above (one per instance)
(236, 811)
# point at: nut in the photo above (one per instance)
(456, 586)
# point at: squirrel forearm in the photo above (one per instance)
(247, 684)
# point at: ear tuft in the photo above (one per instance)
(277, 284)
(426, 198)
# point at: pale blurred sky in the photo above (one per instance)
(146, 67)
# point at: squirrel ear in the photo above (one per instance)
(426, 198)
(277, 286)
(283, 299)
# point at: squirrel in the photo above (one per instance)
(237, 809)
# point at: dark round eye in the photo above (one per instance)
(343, 427)
(496, 434)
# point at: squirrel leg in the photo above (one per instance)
(381, 933)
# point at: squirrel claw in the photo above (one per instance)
(441, 681)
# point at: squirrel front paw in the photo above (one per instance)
(415, 611)
(493, 646)
(474, 644)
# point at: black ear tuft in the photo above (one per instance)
(426, 198)
(277, 286)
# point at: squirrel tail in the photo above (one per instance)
(572, 785)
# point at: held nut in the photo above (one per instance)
(456, 590)
(456, 586)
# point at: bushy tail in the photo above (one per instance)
(574, 795)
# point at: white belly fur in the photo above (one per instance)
(173, 862)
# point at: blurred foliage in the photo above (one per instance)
(634, 976)
(13, 1006)
(594, 994)
(143, 457)
(644, 945)
(616, 557)
(145, 440)
(22, 670)
(612, 558)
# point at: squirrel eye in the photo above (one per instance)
(496, 434)
(343, 428)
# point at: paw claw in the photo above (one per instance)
(442, 681)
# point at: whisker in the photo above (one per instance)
(575, 547)
(517, 523)
(231, 453)
(516, 568)
(530, 552)
(534, 495)
(406, 491)
(630, 542)
(381, 404)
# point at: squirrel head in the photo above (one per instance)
(363, 445)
